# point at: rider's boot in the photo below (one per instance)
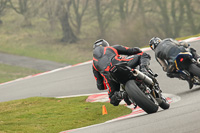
(122, 95)
(181, 76)
(188, 78)
(126, 98)
(190, 83)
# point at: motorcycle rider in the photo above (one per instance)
(165, 53)
(104, 56)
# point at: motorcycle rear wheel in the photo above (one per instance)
(195, 70)
(140, 98)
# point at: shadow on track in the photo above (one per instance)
(194, 90)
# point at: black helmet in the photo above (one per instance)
(101, 42)
(154, 42)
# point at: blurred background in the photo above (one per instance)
(64, 30)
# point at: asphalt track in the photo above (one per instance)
(182, 117)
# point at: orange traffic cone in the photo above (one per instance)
(104, 111)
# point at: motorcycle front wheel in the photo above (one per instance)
(164, 104)
(140, 98)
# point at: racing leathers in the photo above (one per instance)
(105, 57)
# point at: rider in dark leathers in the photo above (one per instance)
(104, 56)
(165, 53)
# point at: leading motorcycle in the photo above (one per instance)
(143, 90)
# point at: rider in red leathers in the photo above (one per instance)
(104, 56)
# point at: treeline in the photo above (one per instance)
(119, 21)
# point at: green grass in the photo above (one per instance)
(40, 42)
(45, 48)
(51, 115)
(183, 38)
(48, 48)
(8, 73)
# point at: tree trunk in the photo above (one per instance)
(68, 35)
(190, 18)
(79, 14)
(121, 11)
(100, 18)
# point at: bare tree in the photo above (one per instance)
(59, 11)
(3, 4)
(50, 12)
(104, 13)
(169, 16)
(192, 12)
(142, 13)
(79, 8)
(68, 34)
(27, 8)
(177, 13)
(126, 9)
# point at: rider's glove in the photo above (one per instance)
(185, 44)
(137, 50)
(122, 95)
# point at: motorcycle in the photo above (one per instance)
(187, 65)
(143, 91)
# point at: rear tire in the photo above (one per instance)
(140, 98)
(195, 70)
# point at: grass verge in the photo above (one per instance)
(50, 49)
(8, 73)
(42, 115)
(45, 47)
(183, 38)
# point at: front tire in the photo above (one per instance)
(140, 98)
(164, 104)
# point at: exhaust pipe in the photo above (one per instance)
(142, 76)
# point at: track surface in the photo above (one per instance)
(182, 117)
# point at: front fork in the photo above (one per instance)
(155, 91)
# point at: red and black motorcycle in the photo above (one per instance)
(143, 90)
